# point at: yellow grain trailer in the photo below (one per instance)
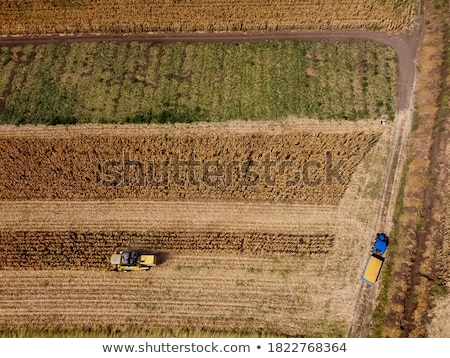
(372, 269)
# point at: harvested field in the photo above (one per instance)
(43, 17)
(167, 163)
(237, 268)
(139, 82)
(181, 216)
(222, 293)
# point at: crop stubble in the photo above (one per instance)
(175, 216)
(217, 293)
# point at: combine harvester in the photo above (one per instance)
(132, 261)
(375, 261)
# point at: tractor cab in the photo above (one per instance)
(132, 261)
(380, 245)
(129, 258)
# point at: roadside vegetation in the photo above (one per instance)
(143, 83)
(334, 330)
(387, 275)
(415, 278)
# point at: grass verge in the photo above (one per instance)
(387, 278)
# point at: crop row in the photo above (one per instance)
(91, 250)
(298, 167)
(141, 82)
(39, 17)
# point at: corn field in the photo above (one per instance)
(20, 17)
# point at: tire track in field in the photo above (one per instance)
(118, 215)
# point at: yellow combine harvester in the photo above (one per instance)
(132, 261)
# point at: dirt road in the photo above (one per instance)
(363, 312)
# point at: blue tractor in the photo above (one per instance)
(380, 245)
